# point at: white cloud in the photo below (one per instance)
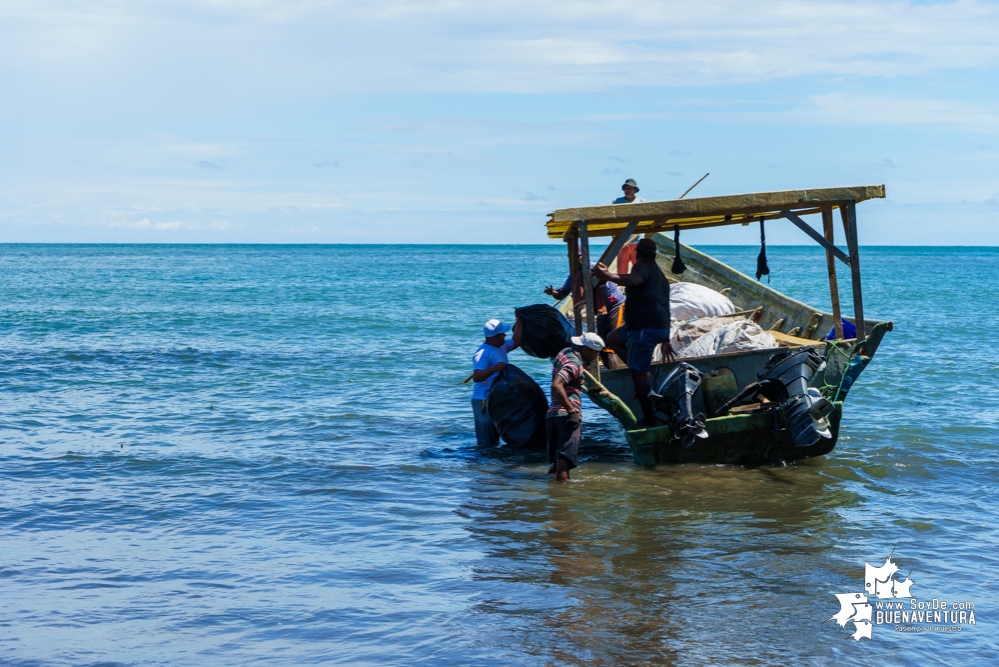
(898, 110)
(143, 225)
(309, 48)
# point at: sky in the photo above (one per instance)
(454, 121)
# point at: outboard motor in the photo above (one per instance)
(672, 403)
(802, 408)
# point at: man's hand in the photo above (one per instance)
(669, 354)
(481, 375)
(550, 290)
(600, 271)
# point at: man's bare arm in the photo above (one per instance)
(558, 393)
(600, 270)
(557, 293)
(481, 375)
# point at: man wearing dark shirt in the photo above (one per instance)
(646, 321)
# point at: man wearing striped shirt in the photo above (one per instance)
(564, 421)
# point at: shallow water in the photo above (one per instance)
(264, 455)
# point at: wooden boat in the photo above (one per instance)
(748, 434)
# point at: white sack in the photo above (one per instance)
(734, 337)
(686, 332)
(687, 300)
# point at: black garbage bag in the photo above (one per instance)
(544, 331)
(517, 406)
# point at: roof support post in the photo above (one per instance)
(577, 308)
(848, 212)
(618, 243)
(827, 227)
(805, 227)
(591, 316)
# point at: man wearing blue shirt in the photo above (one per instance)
(487, 362)
(630, 189)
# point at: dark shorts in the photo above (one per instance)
(607, 323)
(642, 345)
(563, 441)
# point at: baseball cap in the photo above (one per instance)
(494, 327)
(590, 340)
(647, 245)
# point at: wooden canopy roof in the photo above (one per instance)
(701, 212)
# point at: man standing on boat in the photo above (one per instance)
(646, 321)
(630, 188)
(607, 302)
(626, 257)
(564, 421)
(487, 362)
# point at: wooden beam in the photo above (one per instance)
(591, 317)
(821, 240)
(577, 308)
(667, 223)
(786, 340)
(584, 249)
(849, 215)
(757, 202)
(619, 242)
(827, 227)
(570, 231)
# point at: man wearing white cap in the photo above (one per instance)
(487, 362)
(564, 421)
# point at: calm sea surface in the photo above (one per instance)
(263, 455)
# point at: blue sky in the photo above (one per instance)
(455, 121)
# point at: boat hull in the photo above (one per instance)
(744, 439)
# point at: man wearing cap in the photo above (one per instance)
(564, 421)
(630, 188)
(646, 321)
(487, 362)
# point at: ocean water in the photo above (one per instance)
(263, 455)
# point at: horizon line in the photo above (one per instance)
(411, 244)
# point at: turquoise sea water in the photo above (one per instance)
(263, 455)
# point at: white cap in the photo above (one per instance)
(590, 340)
(494, 327)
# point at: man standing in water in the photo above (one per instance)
(646, 321)
(487, 362)
(564, 421)
(630, 188)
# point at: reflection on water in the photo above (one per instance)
(663, 566)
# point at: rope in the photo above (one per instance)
(832, 392)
